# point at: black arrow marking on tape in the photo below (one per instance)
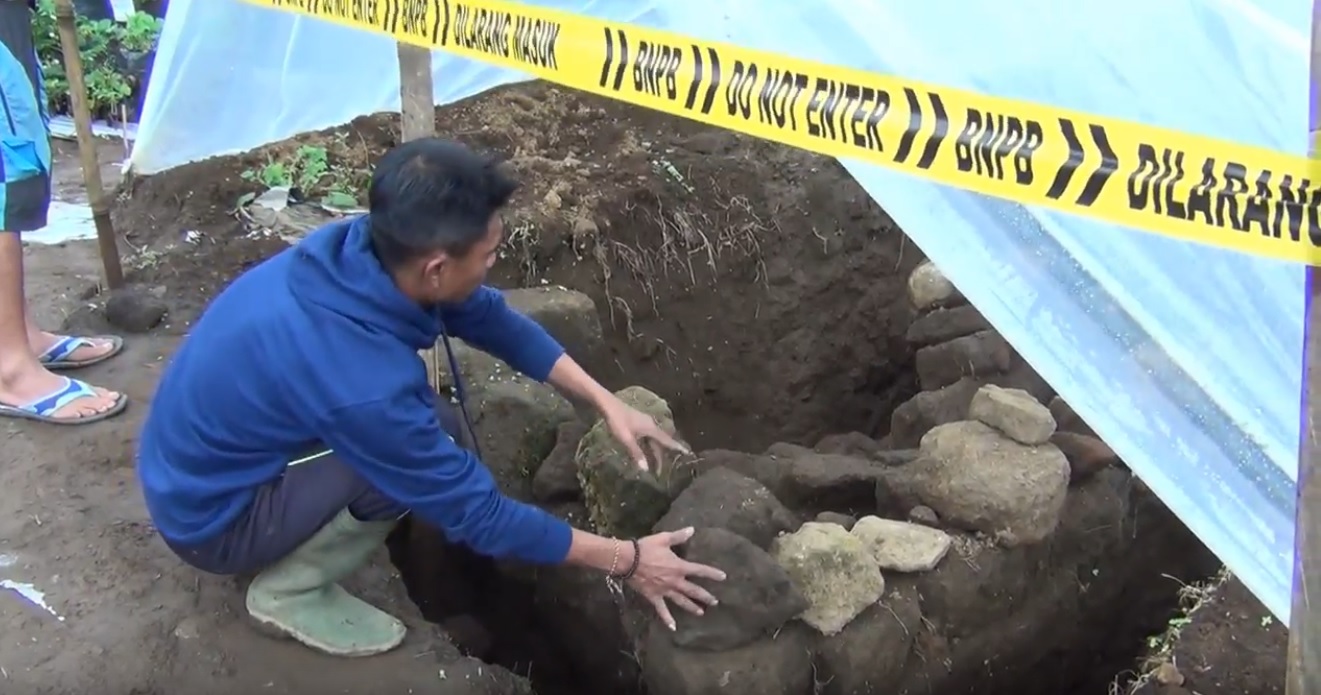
(392, 16)
(697, 79)
(1109, 163)
(938, 135)
(1076, 156)
(609, 58)
(714, 86)
(623, 60)
(914, 125)
(440, 33)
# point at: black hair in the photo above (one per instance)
(433, 195)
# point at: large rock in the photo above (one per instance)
(557, 476)
(622, 499)
(977, 355)
(1067, 419)
(134, 309)
(929, 288)
(978, 479)
(860, 445)
(804, 480)
(755, 599)
(1014, 412)
(721, 498)
(929, 408)
(1022, 376)
(777, 665)
(901, 546)
(1086, 455)
(869, 655)
(516, 418)
(569, 316)
(917, 416)
(942, 325)
(834, 570)
(836, 518)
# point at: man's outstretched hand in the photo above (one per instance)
(636, 430)
(662, 576)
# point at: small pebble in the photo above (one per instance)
(836, 518)
(925, 516)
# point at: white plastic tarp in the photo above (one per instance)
(1186, 359)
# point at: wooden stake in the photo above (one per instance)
(1304, 669)
(82, 121)
(418, 120)
(416, 96)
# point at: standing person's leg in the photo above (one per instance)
(27, 389)
(303, 533)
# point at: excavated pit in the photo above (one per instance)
(773, 309)
(1063, 615)
(764, 296)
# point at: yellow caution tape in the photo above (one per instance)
(1180, 185)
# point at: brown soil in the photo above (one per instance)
(758, 289)
(756, 285)
(1230, 646)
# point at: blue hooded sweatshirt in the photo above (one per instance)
(318, 345)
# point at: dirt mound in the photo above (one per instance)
(752, 285)
(766, 303)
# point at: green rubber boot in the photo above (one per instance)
(299, 596)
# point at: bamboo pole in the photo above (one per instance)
(112, 270)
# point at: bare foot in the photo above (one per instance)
(30, 386)
(94, 347)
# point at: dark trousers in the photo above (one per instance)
(292, 508)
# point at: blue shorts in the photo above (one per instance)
(25, 156)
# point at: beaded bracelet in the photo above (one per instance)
(637, 560)
(614, 561)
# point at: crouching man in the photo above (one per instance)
(295, 426)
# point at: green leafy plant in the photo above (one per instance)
(139, 32)
(114, 54)
(271, 175)
(310, 169)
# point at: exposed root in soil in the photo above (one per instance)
(1160, 647)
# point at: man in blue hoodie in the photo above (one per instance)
(295, 426)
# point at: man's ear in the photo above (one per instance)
(435, 264)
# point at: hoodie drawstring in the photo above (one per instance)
(458, 392)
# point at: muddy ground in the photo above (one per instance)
(757, 290)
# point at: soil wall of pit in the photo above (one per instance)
(756, 287)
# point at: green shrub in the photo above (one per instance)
(114, 56)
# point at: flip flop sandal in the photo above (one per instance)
(44, 409)
(60, 355)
